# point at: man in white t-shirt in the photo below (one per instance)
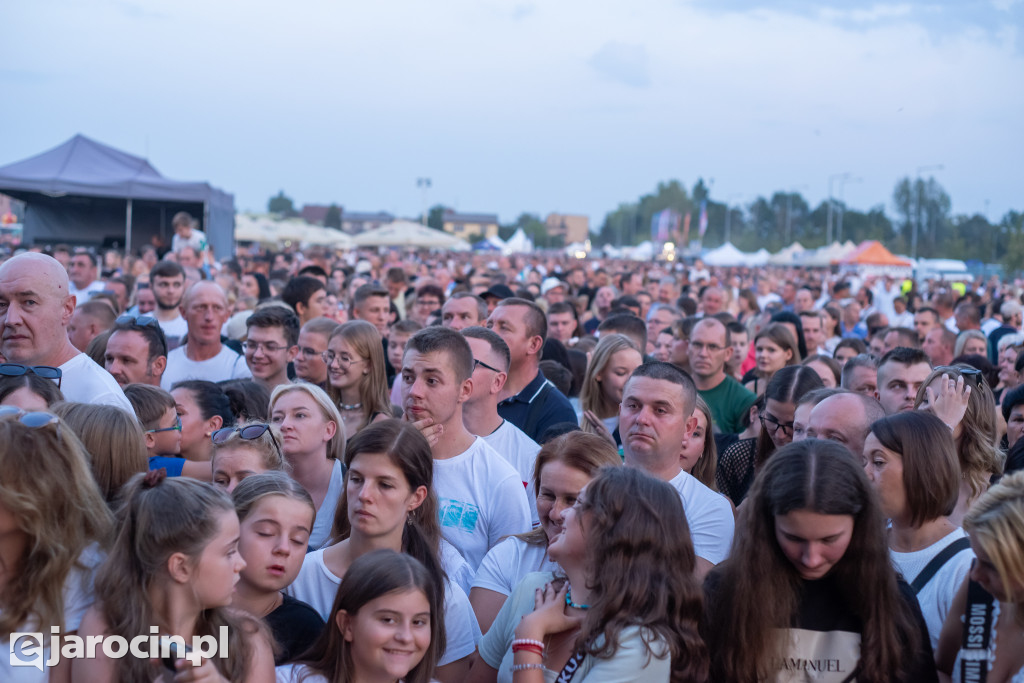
(655, 416)
(35, 309)
(167, 281)
(480, 496)
(203, 356)
(83, 273)
(480, 412)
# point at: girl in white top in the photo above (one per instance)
(385, 625)
(357, 374)
(388, 502)
(614, 359)
(911, 461)
(626, 607)
(174, 566)
(51, 517)
(564, 466)
(312, 441)
(996, 526)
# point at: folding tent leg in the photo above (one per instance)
(128, 228)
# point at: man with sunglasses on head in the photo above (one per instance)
(709, 350)
(35, 309)
(136, 351)
(203, 355)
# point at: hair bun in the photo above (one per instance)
(153, 478)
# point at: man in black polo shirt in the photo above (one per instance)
(529, 401)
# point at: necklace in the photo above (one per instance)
(353, 406)
(570, 603)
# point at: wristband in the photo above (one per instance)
(528, 647)
(527, 641)
(526, 667)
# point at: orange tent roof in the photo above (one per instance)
(873, 253)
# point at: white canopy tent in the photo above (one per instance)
(402, 233)
(518, 243)
(787, 256)
(827, 255)
(726, 255)
(272, 230)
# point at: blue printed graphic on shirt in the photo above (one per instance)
(459, 515)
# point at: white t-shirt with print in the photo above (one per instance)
(709, 515)
(317, 585)
(481, 500)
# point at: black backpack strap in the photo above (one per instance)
(977, 632)
(944, 556)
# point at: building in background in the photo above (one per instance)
(571, 228)
(467, 225)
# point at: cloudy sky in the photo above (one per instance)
(515, 105)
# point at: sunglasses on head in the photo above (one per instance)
(44, 371)
(140, 320)
(249, 433)
(32, 420)
(972, 376)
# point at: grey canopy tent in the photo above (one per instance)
(84, 192)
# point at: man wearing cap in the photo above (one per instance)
(495, 294)
(35, 309)
(553, 290)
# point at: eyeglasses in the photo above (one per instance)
(485, 365)
(344, 360)
(249, 433)
(268, 347)
(766, 420)
(700, 346)
(432, 303)
(44, 371)
(175, 428)
(972, 376)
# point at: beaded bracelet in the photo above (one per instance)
(528, 647)
(526, 667)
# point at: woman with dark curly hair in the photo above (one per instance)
(625, 606)
(809, 585)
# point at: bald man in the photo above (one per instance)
(204, 355)
(35, 309)
(845, 418)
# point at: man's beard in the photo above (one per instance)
(160, 305)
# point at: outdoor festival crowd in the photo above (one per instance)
(398, 466)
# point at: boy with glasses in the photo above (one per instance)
(271, 344)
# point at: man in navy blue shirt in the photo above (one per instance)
(529, 401)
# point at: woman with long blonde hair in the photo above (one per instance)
(357, 375)
(614, 359)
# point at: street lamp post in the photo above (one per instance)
(728, 216)
(828, 222)
(424, 185)
(840, 208)
(789, 213)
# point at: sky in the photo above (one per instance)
(512, 106)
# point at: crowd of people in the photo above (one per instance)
(459, 467)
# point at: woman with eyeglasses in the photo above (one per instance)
(357, 374)
(614, 359)
(740, 462)
(242, 451)
(55, 525)
(313, 442)
(959, 396)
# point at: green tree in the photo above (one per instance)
(435, 217)
(926, 204)
(281, 204)
(333, 217)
